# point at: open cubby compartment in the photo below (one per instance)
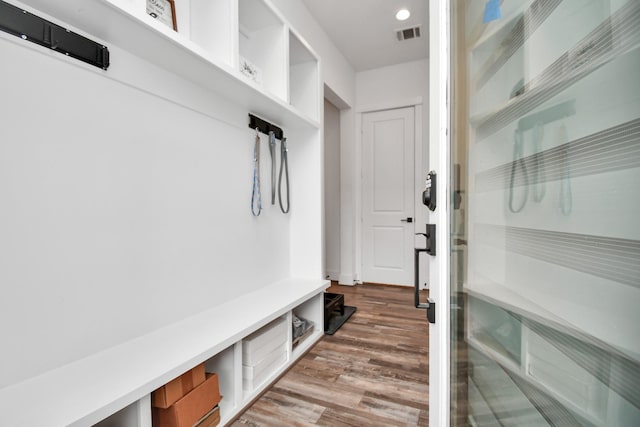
(303, 77)
(138, 414)
(227, 365)
(495, 329)
(261, 46)
(313, 311)
(212, 26)
(207, 27)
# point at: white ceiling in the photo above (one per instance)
(365, 30)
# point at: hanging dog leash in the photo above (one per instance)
(518, 160)
(272, 151)
(256, 200)
(284, 163)
(566, 196)
(538, 174)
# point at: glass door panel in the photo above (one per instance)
(545, 244)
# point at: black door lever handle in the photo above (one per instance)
(407, 219)
(430, 235)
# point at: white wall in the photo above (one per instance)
(383, 88)
(332, 189)
(125, 205)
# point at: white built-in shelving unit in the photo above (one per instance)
(113, 387)
(207, 48)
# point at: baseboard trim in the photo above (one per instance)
(387, 284)
(333, 275)
(346, 279)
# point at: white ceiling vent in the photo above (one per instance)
(408, 33)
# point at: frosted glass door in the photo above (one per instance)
(545, 244)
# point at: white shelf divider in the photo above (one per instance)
(224, 364)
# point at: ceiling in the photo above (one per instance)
(365, 30)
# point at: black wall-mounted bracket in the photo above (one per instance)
(29, 27)
(265, 127)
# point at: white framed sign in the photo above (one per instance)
(164, 11)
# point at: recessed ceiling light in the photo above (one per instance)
(403, 15)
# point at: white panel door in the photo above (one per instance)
(388, 139)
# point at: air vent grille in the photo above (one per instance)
(408, 33)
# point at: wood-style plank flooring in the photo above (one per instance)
(372, 372)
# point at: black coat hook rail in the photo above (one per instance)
(32, 28)
(265, 127)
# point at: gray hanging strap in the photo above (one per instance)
(538, 175)
(518, 160)
(284, 164)
(566, 196)
(272, 150)
(256, 199)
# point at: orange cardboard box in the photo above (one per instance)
(192, 407)
(212, 419)
(175, 389)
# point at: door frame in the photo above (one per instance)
(439, 153)
(330, 226)
(420, 163)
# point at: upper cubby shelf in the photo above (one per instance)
(303, 77)
(209, 24)
(262, 47)
(204, 50)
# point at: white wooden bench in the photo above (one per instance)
(113, 387)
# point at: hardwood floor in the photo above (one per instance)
(372, 372)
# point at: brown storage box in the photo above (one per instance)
(173, 391)
(212, 419)
(192, 407)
